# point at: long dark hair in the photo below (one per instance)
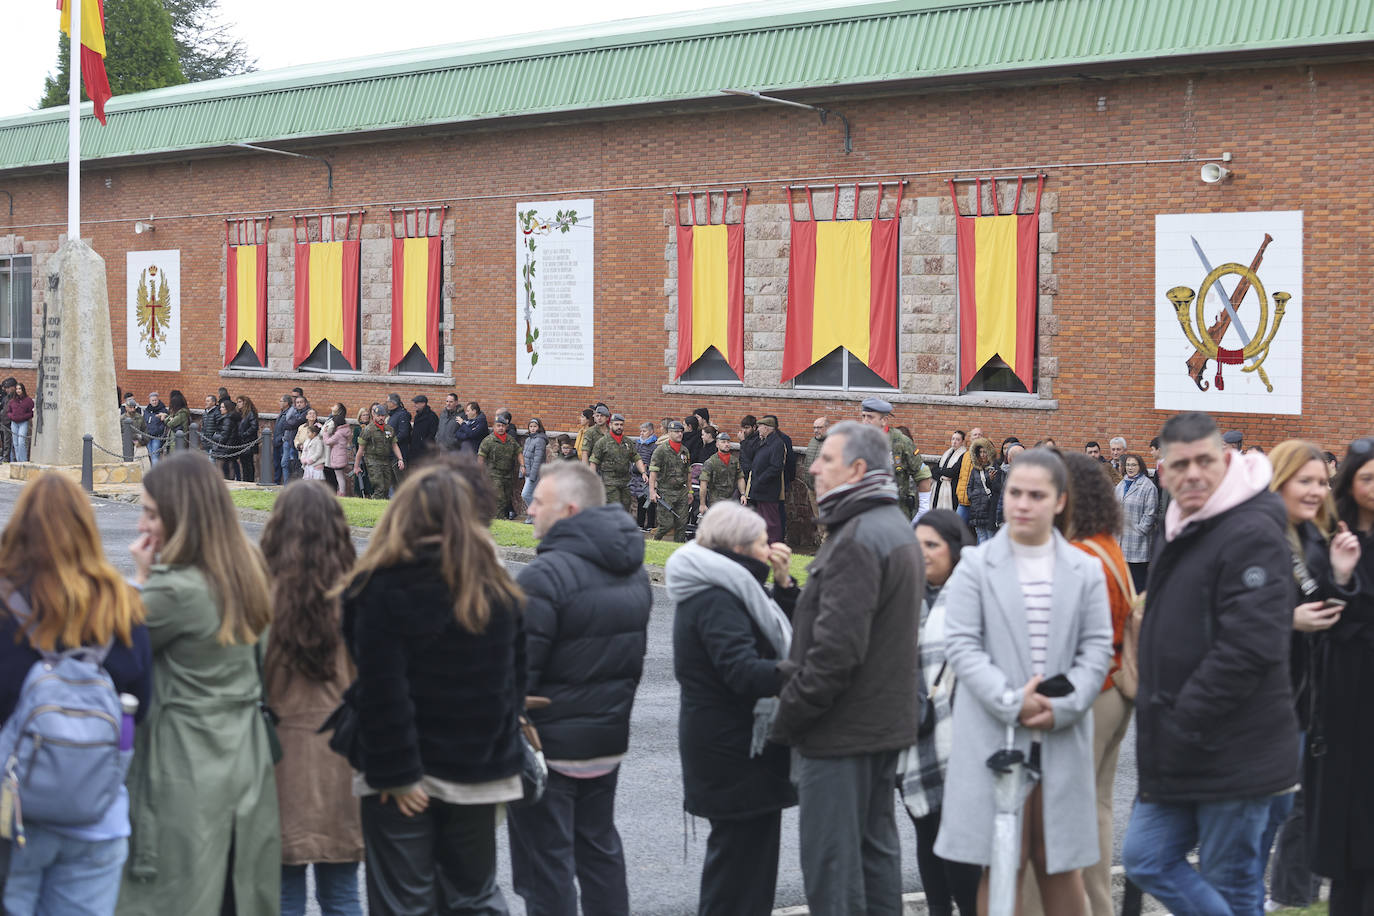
(176, 401)
(309, 549)
(952, 529)
(1360, 453)
(1092, 508)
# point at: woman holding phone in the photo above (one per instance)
(1028, 634)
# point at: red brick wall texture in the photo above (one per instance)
(1301, 136)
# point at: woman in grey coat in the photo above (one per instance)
(1022, 609)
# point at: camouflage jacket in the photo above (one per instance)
(719, 481)
(614, 460)
(375, 443)
(674, 471)
(501, 458)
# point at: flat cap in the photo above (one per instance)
(768, 421)
(603, 411)
(618, 416)
(419, 399)
(876, 405)
(1233, 437)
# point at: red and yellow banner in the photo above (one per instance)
(416, 273)
(842, 292)
(92, 51)
(245, 314)
(998, 261)
(710, 294)
(327, 298)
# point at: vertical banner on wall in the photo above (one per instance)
(1228, 312)
(554, 312)
(153, 311)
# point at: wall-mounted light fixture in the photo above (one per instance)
(144, 225)
(1213, 172)
(281, 152)
(823, 112)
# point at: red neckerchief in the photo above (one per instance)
(500, 436)
(618, 439)
(381, 425)
(724, 457)
(677, 446)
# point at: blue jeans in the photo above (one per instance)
(53, 873)
(336, 889)
(154, 451)
(20, 431)
(1227, 834)
(288, 455)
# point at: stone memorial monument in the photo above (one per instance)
(76, 377)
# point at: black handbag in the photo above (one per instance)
(534, 771)
(344, 741)
(270, 719)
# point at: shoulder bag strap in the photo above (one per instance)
(1124, 583)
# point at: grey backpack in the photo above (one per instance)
(60, 747)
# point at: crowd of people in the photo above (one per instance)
(920, 648)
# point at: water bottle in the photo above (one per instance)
(129, 702)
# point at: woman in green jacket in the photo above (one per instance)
(178, 418)
(203, 800)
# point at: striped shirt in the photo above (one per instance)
(1035, 569)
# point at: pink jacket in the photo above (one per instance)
(336, 440)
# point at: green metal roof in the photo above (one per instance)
(679, 58)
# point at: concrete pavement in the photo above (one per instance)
(663, 849)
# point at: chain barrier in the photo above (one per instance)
(222, 456)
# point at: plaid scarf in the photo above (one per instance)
(922, 766)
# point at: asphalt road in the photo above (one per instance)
(663, 850)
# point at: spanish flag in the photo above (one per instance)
(997, 257)
(710, 294)
(416, 272)
(842, 292)
(92, 51)
(246, 302)
(327, 298)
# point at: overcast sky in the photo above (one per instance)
(282, 33)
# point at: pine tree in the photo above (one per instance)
(140, 53)
(206, 47)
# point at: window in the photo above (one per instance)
(416, 363)
(843, 370)
(247, 359)
(710, 369)
(326, 358)
(16, 308)
(996, 377)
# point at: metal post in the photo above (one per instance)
(87, 463)
(74, 127)
(265, 473)
(126, 430)
(181, 439)
(196, 437)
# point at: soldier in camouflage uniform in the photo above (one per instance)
(613, 457)
(908, 467)
(376, 449)
(500, 454)
(601, 418)
(721, 479)
(670, 479)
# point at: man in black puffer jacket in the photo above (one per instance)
(1216, 735)
(586, 625)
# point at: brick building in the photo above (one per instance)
(1117, 103)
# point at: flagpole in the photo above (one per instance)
(74, 127)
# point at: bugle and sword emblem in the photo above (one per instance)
(1206, 340)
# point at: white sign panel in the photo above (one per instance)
(153, 313)
(554, 293)
(1228, 312)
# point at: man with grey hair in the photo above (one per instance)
(1117, 446)
(586, 631)
(849, 703)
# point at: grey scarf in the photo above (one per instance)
(693, 569)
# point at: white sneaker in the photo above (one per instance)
(1270, 906)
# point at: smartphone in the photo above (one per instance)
(1334, 603)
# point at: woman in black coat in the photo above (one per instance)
(228, 440)
(728, 637)
(432, 622)
(1340, 803)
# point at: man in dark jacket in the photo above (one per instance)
(849, 703)
(398, 418)
(424, 428)
(473, 429)
(764, 477)
(749, 442)
(1216, 735)
(155, 426)
(447, 434)
(586, 622)
(290, 423)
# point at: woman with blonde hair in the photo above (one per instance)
(309, 550)
(1324, 569)
(432, 622)
(206, 840)
(59, 593)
